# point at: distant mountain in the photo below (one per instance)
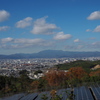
(51, 54)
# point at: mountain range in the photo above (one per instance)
(51, 54)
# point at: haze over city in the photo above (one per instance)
(30, 26)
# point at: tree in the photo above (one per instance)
(55, 78)
(76, 73)
(23, 72)
(2, 82)
(38, 71)
(34, 85)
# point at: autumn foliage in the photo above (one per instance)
(95, 73)
(54, 78)
(76, 73)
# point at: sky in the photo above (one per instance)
(30, 26)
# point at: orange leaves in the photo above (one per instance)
(76, 72)
(96, 73)
(55, 78)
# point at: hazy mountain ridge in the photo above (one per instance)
(51, 54)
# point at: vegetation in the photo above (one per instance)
(38, 71)
(23, 72)
(84, 64)
(53, 80)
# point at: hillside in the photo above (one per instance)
(87, 65)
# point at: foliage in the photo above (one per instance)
(54, 95)
(95, 73)
(43, 85)
(23, 72)
(38, 71)
(2, 82)
(76, 73)
(34, 84)
(55, 78)
(84, 64)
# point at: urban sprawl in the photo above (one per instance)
(10, 67)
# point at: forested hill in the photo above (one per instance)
(87, 65)
(51, 54)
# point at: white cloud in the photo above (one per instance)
(4, 15)
(76, 40)
(42, 27)
(6, 40)
(88, 30)
(4, 28)
(24, 23)
(23, 42)
(62, 36)
(97, 29)
(95, 45)
(94, 15)
(28, 41)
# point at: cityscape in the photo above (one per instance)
(10, 67)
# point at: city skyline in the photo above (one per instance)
(32, 26)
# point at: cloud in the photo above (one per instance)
(76, 40)
(62, 36)
(6, 40)
(24, 23)
(97, 29)
(42, 27)
(92, 46)
(96, 44)
(28, 41)
(23, 43)
(4, 15)
(4, 28)
(94, 15)
(88, 30)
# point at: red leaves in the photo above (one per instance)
(55, 78)
(76, 72)
(95, 73)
